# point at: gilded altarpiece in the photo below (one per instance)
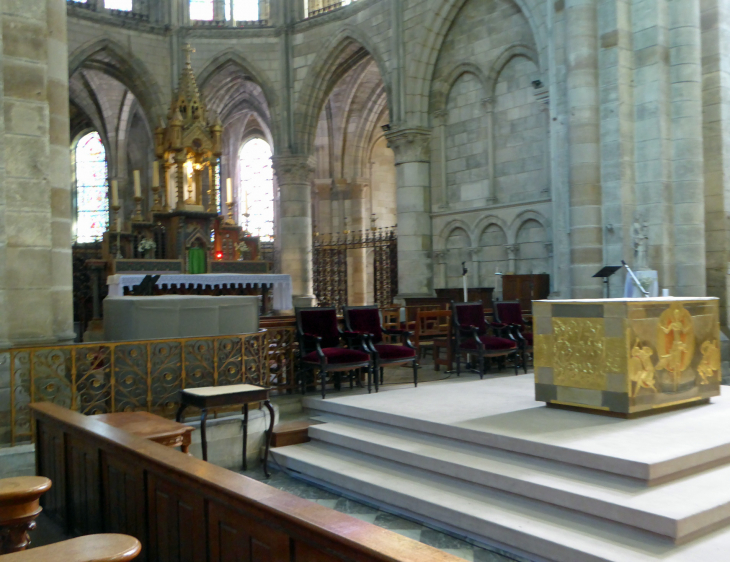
(627, 355)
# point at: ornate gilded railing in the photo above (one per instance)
(94, 378)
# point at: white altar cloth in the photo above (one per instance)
(282, 290)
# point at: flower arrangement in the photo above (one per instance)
(146, 245)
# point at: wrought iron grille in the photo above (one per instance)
(329, 267)
(96, 378)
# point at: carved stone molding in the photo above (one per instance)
(292, 169)
(410, 144)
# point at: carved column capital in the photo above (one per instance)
(410, 144)
(292, 169)
(440, 116)
(488, 104)
(549, 249)
(512, 250)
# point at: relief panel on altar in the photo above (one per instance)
(627, 355)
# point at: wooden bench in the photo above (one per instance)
(91, 548)
(19, 507)
(184, 509)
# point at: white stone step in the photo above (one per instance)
(503, 413)
(547, 531)
(680, 509)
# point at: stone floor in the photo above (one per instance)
(406, 527)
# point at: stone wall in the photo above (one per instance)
(589, 114)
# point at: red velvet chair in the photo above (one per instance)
(319, 346)
(509, 314)
(471, 333)
(366, 320)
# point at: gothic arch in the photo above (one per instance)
(442, 88)
(450, 228)
(487, 221)
(521, 219)
(436, 29)
(516, 50)
(335, 59)
(124, 67)
(230, 57)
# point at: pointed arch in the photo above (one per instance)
(113, 59)
(515, 50)
(335, 59)
(437, 27)
(442, 87)
(522, 218)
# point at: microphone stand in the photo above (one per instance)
(635, 280)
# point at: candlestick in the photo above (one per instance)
(137, 215)
(137, 184)
(229, 191)
(246, 206)
(230, 220)
(115, 193)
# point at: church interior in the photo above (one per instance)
(373, 280)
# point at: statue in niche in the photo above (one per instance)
(640, 238)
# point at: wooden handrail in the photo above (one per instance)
(91, 548)
(182, 508)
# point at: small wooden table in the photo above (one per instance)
(19, 507)
(219, 396)
(150, 426)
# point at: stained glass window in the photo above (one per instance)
(92, 203)
(256, 191)
(245, 10)
(201, 9)
(125, 5)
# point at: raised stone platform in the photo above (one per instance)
(484, 459)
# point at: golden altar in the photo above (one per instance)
(627, 356)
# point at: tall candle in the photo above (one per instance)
(155, 174)
(246, 202)
(115, 193)
(137, 185)
(229, 191)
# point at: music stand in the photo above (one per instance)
(144, 289)
(606, 272)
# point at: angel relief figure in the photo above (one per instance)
(641, 369)
(675, 341)
(710, 361)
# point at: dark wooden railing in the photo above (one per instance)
(106, 480)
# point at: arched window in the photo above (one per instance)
(124, 5)
(245, 10)
(256, 191)
(201, 10)
(92, 203)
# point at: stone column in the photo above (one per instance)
(513, 251)
(490, 193)
(60, 176)
(412, 161)
(293, 174)
(685, 57)
(356, 258)
(441, 193)
(586, 237)
(323, 217)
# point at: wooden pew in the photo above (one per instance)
(184, 509)
(91, 548)
(19, 507)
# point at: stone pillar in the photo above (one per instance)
(440, 183)
(490, 194)
(586, 237)
(4, 295)
(685, 56)
(60, 174)
(293, 174)
(412, 161)
(34, 195)
(323, 217)
(356, 258)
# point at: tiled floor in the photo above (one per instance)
(411, 529)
